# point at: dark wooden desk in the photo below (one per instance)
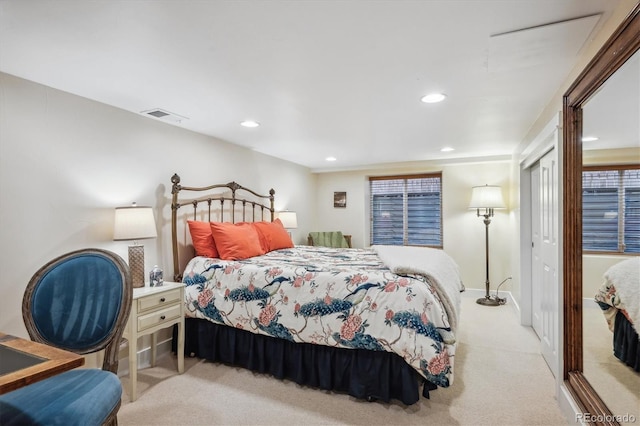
(33, 362)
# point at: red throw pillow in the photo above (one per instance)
(202, 238)
(273, 236)
(236, 241)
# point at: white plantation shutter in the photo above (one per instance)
(406, 210)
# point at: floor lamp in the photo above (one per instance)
(487, 197)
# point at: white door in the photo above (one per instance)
(536, 257)
(544, 258)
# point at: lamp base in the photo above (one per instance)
(488, 301)
(136, 265)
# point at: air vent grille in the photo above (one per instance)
(158, 113)
(164, 115)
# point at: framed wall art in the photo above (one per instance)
(339, 199)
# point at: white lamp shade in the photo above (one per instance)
(487, 197)
(134, 223)
(289, 219)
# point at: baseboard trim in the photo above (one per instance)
(568, 406)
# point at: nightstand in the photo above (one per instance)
(153, 309)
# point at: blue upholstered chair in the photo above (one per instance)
(78, 302)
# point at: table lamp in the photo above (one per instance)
(135, 223)
(289, 220)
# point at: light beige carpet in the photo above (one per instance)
(500, 379)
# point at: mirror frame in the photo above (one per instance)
(622, 44)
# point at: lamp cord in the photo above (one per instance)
(501, 300)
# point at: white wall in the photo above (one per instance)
(593, 269)
(66, 162)
(463, 231)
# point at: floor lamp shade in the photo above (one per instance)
(487, 197)
(131, 224)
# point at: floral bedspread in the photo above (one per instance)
(608, 302)
(620, 291)
(337, 297)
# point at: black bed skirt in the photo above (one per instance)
(370, 375)
(625, 342)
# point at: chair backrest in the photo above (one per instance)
(329, 239)
(80, 302)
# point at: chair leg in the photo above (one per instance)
(112, 420)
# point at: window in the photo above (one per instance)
(406, 210)
(611, 209)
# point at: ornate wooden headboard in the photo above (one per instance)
(231, 199)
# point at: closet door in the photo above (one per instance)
(536, 256)
(544, 262)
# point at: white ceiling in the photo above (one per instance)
(612, 114)
(324, 78)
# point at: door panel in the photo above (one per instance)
(549, 259)
(536, 246)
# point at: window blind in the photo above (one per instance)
(611, 210)
(631, 223)
(406, 210)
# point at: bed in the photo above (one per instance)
(377, 323)
(619, 299)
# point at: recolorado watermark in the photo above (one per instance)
(592, 418)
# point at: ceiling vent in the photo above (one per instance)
(164, 115)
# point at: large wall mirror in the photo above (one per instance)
(593, 96)
(611, 161)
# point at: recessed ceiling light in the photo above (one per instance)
(249, 123)
(447, 149)
(433, 98)
(331, 159)
(589, 138)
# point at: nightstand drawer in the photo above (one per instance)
(158, 300)
(158, 317)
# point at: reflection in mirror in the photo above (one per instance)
(612, 115)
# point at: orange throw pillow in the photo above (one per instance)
(236, 241)
(202, 239)
(273, 236)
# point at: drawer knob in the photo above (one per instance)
(162, 299)
(162, 317)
